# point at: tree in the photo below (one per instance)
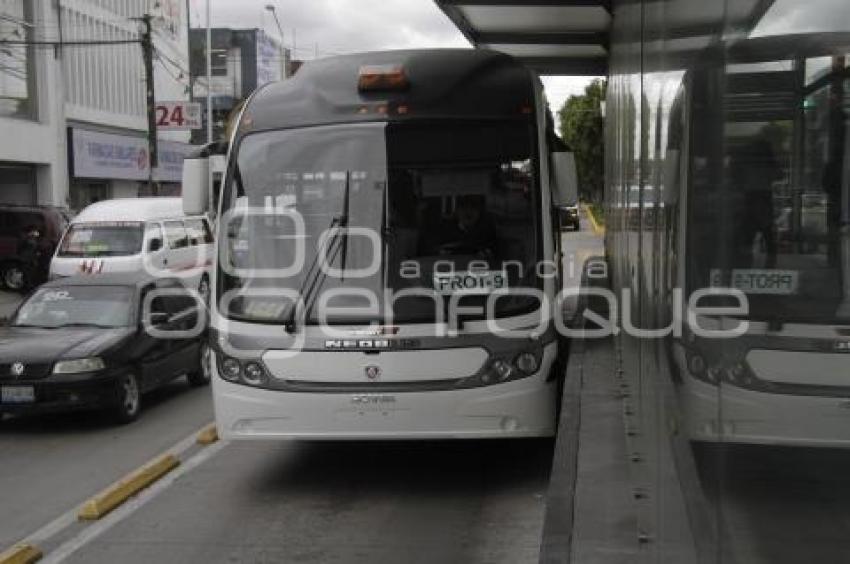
(582, 128)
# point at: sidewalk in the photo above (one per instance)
(615, 496)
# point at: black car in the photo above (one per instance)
(568, 216)
(82, 343)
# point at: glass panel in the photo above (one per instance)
(17, 78)
(102, 239)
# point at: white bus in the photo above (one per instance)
(373, 206)
(758, 200)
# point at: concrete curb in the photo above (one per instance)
(594, 223)
(20, 554)
(124, 489)
(208, 436)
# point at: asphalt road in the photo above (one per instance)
(343, 502)
(479, 501)
(51, 464)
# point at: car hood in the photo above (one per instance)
(33, 344)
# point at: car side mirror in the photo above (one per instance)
(154, 245)
(159, 318)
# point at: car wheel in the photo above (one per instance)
(14, 277)
(201, 376)
(204, 289)
(130, 400)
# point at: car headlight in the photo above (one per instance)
(78, 365)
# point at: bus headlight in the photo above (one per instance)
(231, 369)
(527, 362)
(502, 369)
(253, 374)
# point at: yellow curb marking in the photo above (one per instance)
(598, 229)
(121, 491)
(208, 436)
(20, 554)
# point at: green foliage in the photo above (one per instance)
(583, 128)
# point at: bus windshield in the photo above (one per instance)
(431, 209)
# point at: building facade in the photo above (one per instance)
(242, 61)
(73, 104)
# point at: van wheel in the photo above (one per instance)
(130, 400)
(201, 376)
(14, 277)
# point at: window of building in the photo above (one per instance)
(17, 184)
(218, 62)
(17, 76)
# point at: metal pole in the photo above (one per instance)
(147, 53)
(189, 43)
(209, 99)
(209, 74)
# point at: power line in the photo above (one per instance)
(72, 43)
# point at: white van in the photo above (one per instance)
(137, 234)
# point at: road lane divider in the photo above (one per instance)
(21, 554)
(95, 529)
(127, 487)
(40, 544)
(208, 435)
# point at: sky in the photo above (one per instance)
(328, 27)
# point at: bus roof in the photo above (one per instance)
(443, 83)
(131, 209)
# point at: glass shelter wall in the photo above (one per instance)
(728, 187)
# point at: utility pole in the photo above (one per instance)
(209, 79)
(147, 55)
(189, 41)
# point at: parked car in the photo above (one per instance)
(28, 237)
(137, 235)
(82, 343)
(568, 216)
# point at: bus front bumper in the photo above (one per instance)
(520, 408)
(736, 415)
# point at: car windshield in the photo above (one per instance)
(432, 209)
(101, 306)
(102, 239)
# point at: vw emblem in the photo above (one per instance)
(373, 372)
(17, 368)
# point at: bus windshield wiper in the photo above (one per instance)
(344, 225)
(315, 276)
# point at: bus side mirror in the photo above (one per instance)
(195, 180)
(565, 190)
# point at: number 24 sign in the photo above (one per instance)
(178, 115)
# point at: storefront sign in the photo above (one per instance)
(179, 115)
(107, 155)
(270, 59)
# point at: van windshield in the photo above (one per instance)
(103, 239)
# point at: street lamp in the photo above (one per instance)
(273, 10)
